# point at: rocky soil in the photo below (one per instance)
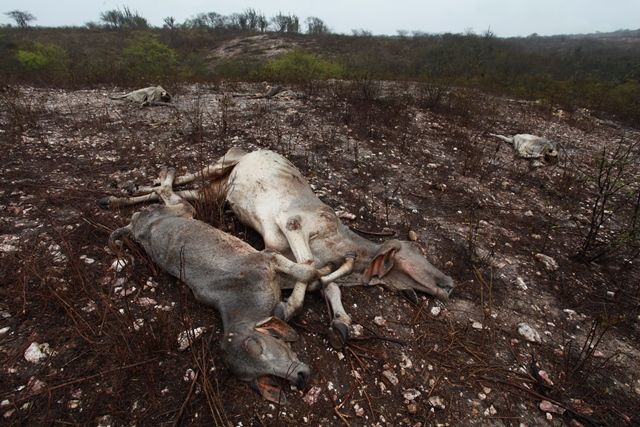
(531, 336)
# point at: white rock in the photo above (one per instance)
(549, 407)
(545, 378)
(411, 394)
(312, 395)
(380, 321)
(436, 402)
(520, 284)
(189, 375)
(549, 263)
(490, 411)
(358, 410)
(186, 338)
(118, 265)
(144, 301)
(356, 330)
(405, 363)
(529, 333)
(393, 379)
(36, 353)
(435, 311)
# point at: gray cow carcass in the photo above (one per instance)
(152, 95)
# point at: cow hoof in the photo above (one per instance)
(411, 294)
(105, 202)
(280, 311)
(338, 334)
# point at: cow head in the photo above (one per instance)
(259, 354)
(401, 266)
(551, 155)
(165, 96)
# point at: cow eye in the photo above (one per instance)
(253, 346)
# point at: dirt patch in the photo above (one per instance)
(263, 46)
(519, 343)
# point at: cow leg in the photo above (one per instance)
(299, 244)
(112, 201)
(339, 329)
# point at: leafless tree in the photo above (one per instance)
(316, 26)
(286, 23)
(21, 17)
(170, 22)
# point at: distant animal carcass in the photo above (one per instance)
(541, 150)
(152, 95)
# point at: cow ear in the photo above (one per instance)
(382, 263)
(277, 328)
(269, 388)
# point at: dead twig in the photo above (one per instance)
(591, 421)
(374, 233)
(183, 408)
(335, 404)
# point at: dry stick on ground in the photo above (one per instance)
(183, 408)
(362, 388)
(79, 380)
(591, 421)
(326, 389)
(374, 233)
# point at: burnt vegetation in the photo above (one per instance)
(394, 131)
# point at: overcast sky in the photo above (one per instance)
(505, 18)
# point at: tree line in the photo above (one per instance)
(248, 20)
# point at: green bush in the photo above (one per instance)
(148, 60)
(300, 66)
(44, 60)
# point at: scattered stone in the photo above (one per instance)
(546, 406)
(312, 395)
(520, 284)
(380, 321)
(412, 407)
(358, 410)
(413, 236)
(34, 386)
(475, 324)
(549, 263)
(186, 338)
(435, 311)
(356, 330)
(411, 394)
(118, 265)
(104, 421)
(390, 378)
(87, 260)
(545, 378)
(36, 353)
(529, 333)
(405, 363)
(570, 313)
(189, 375)
(145, 302)
(490, 411)
(436, 402)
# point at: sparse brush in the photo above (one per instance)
(582, 361)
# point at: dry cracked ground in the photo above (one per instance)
(531, 336)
